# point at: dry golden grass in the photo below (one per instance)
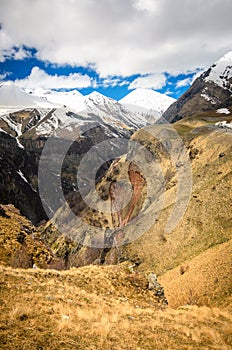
(206, 279)
(100, 308)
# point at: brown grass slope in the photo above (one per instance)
(100, 308)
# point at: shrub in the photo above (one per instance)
(21, 259)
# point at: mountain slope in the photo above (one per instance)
(23, 135)
(111, 111)
(13, 97)
(21, 246)
(212, 90)
(72, 99)
(100, 308)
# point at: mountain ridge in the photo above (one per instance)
(148, 107)
(210, 91)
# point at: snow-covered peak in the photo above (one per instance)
(11, 96)
(221, 72)
(148, 99)
(98, 98)
(111, 111)
(228, 56)
(73, 98)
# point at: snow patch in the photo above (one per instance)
(22, 176)
(18, 143)
(223, 111)
(224, 124)
(72, 99)
(209, 98)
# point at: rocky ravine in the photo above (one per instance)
(23, 135)
(205, 224)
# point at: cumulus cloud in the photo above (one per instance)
(120, 38)
(183, 82)
(151, 81)
(8, 50)
(40, 79)
(112, 81)
(3, 75)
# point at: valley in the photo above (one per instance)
(99, 196)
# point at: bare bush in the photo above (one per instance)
(21, 259)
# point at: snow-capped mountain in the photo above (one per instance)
(94, 106)
(111, 111)
(147, 100)
(13, 97)
(57, 110)
(220, 72)
(26, 123)
(72, 99)
(211, 91)
(139, 108)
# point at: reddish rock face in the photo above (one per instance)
(122, 215)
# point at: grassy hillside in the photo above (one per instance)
(207, 220)
(100, 308)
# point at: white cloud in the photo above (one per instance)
(168, 92)
(8, 50)
(112, 81)
(146, 5)
(21, 53)
(151, 81)
(40, 79)
(183, 82)
(5, 45)
(120, 38)
(2, 77)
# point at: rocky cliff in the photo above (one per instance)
(212, 90)
(23, 135)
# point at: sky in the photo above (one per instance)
(112, 46)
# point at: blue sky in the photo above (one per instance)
(114, 86)
(111, 46)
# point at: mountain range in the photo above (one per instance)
(147, 105)
(28, 118)
(176, 174)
